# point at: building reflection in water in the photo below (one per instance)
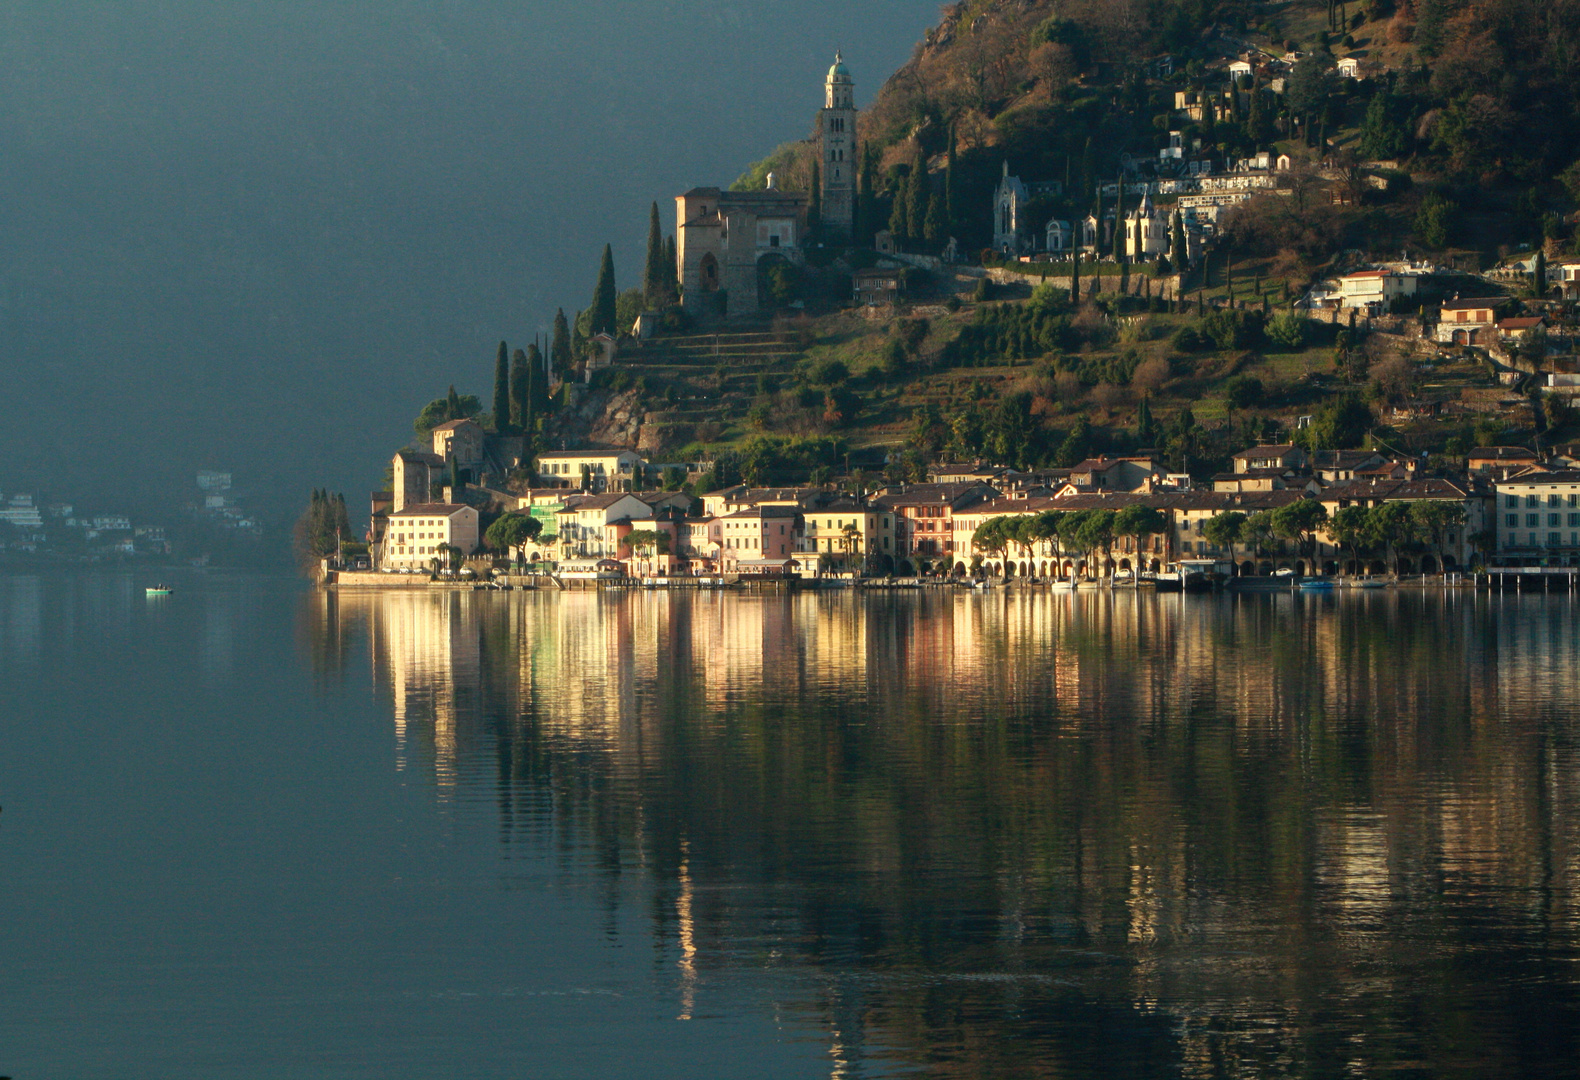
(1037, 833)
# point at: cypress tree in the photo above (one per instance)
(501, 390)
(1119, 222)
(814, 199)
(1177, 245)
(537, 385)
(933, 229)
(898, 219)
(519, 391)
(916, 196)
(1075, 278)
(862, 226)
(654, 280)
(452, 404)
(560, 347)
(1144, 429)
(604, 295)
(578, 339)
(673, 265)
(1539, 274)
(949, 183)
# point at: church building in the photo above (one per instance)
(726, 240)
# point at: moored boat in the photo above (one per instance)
(160, 590)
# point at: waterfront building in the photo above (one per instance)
(848, 529)
(421, 532)
(924, 514)
(1538, 519)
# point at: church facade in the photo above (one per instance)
(726, 240)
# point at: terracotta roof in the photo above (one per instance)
(1274, 450)
(1503, 453)
(1524, 322)
(1473, 302)
(451, 425)
(583, 453)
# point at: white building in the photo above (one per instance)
(426, 531)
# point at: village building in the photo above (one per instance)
(1286, 456)
(924, 514)
(415, 474)
(848, 529)
(1013, 229)
(1538, 518)
(589, 470)
(422, 532)
(1374, 291)
(1469, 321)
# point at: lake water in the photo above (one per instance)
(255, 830)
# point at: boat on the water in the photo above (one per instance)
(1369, 583)
(160, 590)
(1318, 584)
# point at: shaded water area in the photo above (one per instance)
(540, 834)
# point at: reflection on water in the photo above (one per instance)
(1034, 834)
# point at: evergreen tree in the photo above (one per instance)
(578, 338)
(916, 196)
(1178, 248)
(655, 282)
(1075, 277)
(520, 391)
(604, 295)
(1119, 222)
(452, 405)
(862, 227)
(933, 229)
(1146, 432)
(949, 183)
(537, 385)
(672, 263)
(1539, 274)
(899, 220)
(501, 390)
(560, 346)
(814, 200)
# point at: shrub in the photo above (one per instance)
(1289, 331)
(1233, 329)
(1244, 392)
(829, 372)
(1187, 339)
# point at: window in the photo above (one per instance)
(1533, 500)
(1555, 500)
(1574, 500)
(1554, 539)
(1574, 520)
(1554, 519)
(1511, 501)
(1533, 520)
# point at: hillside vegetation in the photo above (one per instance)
(1462, 135)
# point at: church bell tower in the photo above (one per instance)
(837, 136)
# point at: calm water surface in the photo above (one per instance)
(255, 830)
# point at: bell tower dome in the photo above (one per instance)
(837, 143)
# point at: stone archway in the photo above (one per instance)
(1406, 566)
(1428, 565)
(1248, 569)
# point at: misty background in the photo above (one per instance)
(258, 237)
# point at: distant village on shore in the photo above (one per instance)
(478, 498)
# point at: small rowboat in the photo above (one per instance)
(160, 590)
(1317, 584)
